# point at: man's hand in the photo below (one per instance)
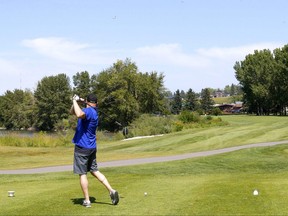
(75, 109)
(76, 97)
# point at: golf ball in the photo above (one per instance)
(255, 192)
(145, 194)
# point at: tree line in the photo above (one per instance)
(124, 93)
(263, 77)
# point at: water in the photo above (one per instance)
(22, 133)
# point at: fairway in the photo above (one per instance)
(212, 185)
(241, 130)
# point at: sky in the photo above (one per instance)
(193, 43)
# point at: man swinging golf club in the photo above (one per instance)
(86, 147)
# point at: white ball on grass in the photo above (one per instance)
(255, 192)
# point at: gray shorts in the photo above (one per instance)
(84, 160)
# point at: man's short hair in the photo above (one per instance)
(92, 98)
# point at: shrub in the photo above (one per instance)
(216, 111)
(200, 111)
(147, 125)
(188, 117)
(178, 126)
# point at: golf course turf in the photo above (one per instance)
(220, 184)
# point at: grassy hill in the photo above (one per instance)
(223, 100)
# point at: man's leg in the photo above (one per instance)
(84, 186)
(103, 180)
(113, 193)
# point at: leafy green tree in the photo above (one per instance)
(53, 101)
(116, 88)
(279, 87)
(151, 95)
(255, 76)
(227, 90)
(206, 100)
(17, 109)
(82, 84)
(124, 92)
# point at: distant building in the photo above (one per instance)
(220, 93)
(230, 108)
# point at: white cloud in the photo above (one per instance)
(200, 68)
(170, 54)
(236, 52)
(173, 54)
(163, 54)
(64, 50)
(183, 69)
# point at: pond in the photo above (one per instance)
(4, 132)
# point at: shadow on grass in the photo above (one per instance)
(79, 201)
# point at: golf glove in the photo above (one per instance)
(76, 97)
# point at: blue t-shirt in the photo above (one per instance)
(85, 135)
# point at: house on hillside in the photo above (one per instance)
(220, 93)
(230, 108)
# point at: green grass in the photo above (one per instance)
(214, 185)
(221, 100)
(31, 157)
(241, 130)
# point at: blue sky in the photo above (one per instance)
(194, 43)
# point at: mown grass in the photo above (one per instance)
(215, 185)
(221, 100)
(241, 130)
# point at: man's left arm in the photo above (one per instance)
(77, 110)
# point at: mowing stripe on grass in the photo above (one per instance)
(137, 161)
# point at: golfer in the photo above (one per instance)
(86, 147)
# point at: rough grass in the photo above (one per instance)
(30, 139)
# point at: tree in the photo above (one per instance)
(232, 90)
(176, 103)
(191, 100)
(124, 92)
(17, 109)
(53, 101)
(227, 90)
(82, 84)
(206, 100)
(279, 87)
(151, 93)
(116, 88)
(255, 76)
